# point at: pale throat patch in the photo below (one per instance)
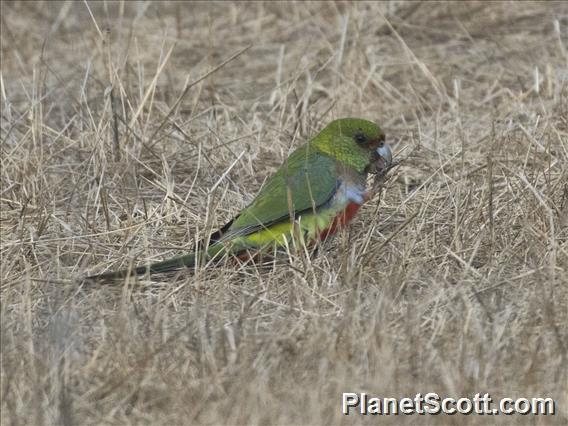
(353, 193)
(351, 188)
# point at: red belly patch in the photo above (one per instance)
(340, 220)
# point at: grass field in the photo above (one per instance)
(129, 130)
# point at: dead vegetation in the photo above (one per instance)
(115, 149)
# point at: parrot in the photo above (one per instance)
(317, 190)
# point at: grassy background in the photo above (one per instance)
(114, 150)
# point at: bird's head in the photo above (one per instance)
(356, 143)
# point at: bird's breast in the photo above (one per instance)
(340, 220)
(344, 206)
(318, 225)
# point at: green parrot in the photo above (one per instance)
(318, 190)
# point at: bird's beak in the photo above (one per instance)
(386, 154)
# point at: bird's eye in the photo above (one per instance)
(360, 138)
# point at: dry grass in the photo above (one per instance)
(110, 154)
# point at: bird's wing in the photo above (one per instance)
(307, 180)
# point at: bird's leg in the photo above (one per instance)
(248, 256)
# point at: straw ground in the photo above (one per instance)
(129, 130)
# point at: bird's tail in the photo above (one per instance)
(186, 261)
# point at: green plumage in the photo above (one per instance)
(186, 261)
(306, 180)
(308, 177)
(305, 185)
